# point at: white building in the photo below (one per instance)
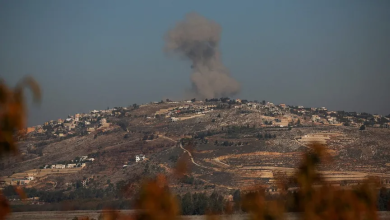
(332, 120)
(140, 157)
(173, 119)
(82, 158)
(60, 166)
(315, 118)
(69, 126)
(103, 123)
(90, 129)
(71, 165)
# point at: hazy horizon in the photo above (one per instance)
(96, 54)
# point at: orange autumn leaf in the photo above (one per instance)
(5, 209)
(19, 190)
(13, 112)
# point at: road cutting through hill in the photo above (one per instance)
(192, 158)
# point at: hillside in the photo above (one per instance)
(229, 145)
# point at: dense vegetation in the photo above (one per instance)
(201, 204)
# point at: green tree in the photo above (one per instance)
(200, 203)
(187, 206)
(123, 125)
(174, 158)
(78, 184)
(216, 203)
(237, 196)
(237, 199)
(383, 199)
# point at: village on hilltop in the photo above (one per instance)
(281, 115)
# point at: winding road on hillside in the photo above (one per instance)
(185, 150)
(192, 158)
(193, 161)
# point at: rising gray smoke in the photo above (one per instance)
(197, 39)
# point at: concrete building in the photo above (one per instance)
(60, 166)
(139, 158)
(173, 119)
(30, 129)
(71, 165)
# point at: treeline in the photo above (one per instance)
(149, 137)
(111, 191)
(191, 180)
(202, 135)
(234, 132)
(87, 204)
(191, 204)
(265, 136)
(201, 203)
(230, 143)
(231, 131)
(384, 199)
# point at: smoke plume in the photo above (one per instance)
(197, 39)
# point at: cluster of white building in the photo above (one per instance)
(77, 163)
(70, 123)
(138, 158)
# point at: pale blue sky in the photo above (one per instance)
(92, 54)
